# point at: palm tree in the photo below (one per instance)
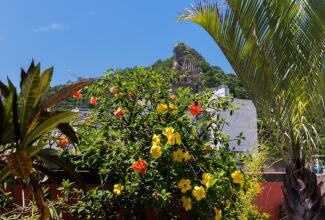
(276, 48)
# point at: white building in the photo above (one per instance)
(243, 120)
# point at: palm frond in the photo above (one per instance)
(64, 93)
(276, 48)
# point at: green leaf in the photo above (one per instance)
(47, 126)
(29, 97)
(33, 150)
(4, 90)
(68, 131)
(45, 80)
(7, 135)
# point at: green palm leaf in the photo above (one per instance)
(273, 46)
(277, 50)
(47, 126)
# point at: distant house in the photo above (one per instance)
(242, 121)
(83, 114)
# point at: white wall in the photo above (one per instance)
(243, 120)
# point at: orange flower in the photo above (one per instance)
(77, 95)
(63, 142)
(119, 113)
(195, 108)
(140, 166)
(173, 98)
(93, 100)
(161, 107)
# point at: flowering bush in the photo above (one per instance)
(156, 145)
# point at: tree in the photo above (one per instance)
(277, 48)
(153, 143)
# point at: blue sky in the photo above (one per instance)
(85, 37)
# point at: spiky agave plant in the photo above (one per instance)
(276, 48)
(25, 119)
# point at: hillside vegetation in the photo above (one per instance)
(193, 71)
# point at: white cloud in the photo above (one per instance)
(52, 28)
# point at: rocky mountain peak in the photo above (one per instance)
(187, 59)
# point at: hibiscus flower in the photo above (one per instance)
(93, 100)
(195, 108)
(140, 166)
(77, 95)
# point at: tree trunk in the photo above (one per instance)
(302, 195)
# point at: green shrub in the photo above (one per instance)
(154, 146)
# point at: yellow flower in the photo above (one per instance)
(228, 203)
(184, 185)
(171, 108)
(155, 139)
(178, 139)
(171, 139)
(187, 203)
(237, 178)
(186, 156)
(169, 133)
(161, 107)
(198, 193)
(156, 151)
(118, 188)
(255, 213)
(178, 156)
(207, 179)
(257, 187)
(218, 215)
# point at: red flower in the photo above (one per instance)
(208, 150)
(140, 166)
(119, 113)
(195, 108)
(77, 95)
(173, 98)
(93, 100)
(63, 142)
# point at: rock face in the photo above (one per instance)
(187, 61)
